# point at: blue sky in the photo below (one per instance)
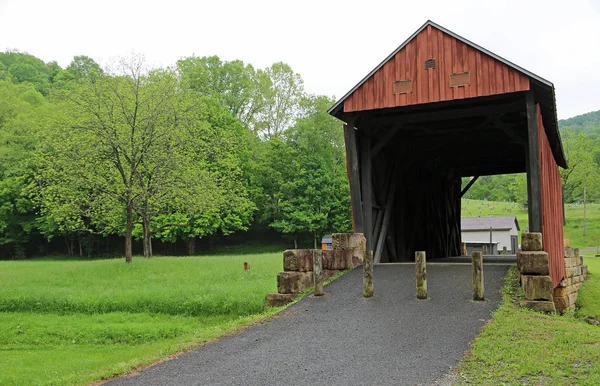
(332, 44)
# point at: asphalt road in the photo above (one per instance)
(344, 339)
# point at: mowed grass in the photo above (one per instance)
(73, 322)
(573, 230)
(523, 347)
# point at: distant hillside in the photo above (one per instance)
(588, 123)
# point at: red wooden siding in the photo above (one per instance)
(488, 76)
(552, 208)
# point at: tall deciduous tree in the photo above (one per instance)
(124, 144)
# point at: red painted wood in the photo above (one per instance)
(552, 209)
(488, 76)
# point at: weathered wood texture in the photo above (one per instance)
(318, 271)
(477, 263)
(487, 75)
(551, 206)
(368, 274)
(425, 215)
(352, 168)
(534, 194)
(421, 273)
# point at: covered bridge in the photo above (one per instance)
(440, 108)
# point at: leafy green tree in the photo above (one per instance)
(20, 108)
(124, 147)
(314, 193)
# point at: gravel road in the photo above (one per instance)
(344, 339)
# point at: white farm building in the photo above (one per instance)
(502, 230)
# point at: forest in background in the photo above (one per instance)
(204, 152)
(197, 151)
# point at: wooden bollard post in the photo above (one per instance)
(477, 260)
(368, 274)
(318, 271)
(246, 267)
(485, 251)
(464, 249)
(421, 271)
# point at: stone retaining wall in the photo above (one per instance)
(565, 295)
(348, 250)
(536, 282)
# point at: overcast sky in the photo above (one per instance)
(332, 44)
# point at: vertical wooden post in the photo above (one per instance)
(367, 189)
(368, 274)
(463, 249)
(353, 175)
(318, 271)
(477, 262)
(534, 188)
(421, 271)
(485, 251)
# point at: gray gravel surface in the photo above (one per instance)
(344, 339)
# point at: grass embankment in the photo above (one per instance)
(72, 322)
(524, 347)
(573, 230)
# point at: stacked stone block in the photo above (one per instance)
(534, 267)
(348, 251)
(565, 294)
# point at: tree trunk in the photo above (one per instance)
(147, 236)
(128, 233)
(315, 240)
(295, 242)
(191, 244)
(80, 247)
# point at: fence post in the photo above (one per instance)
(421, 272)
(368, 274)
(477, 261)
(318, 271)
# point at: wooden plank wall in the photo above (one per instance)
(488, 76)
(552, 208)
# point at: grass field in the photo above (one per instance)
(523, 347)
(573, 213)
(72, 322)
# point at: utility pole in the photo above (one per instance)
(584, 210)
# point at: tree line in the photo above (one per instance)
(205, 147)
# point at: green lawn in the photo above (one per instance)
(523, 347)
(73, 322)
(573, 214)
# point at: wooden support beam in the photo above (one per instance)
(353, 176)
(367, 189)
(534, 187)
(466, 189)
(385, 139)
(387, 215)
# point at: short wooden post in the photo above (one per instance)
(421, 272)
(477, 261)
(318, 271)
(246, 267)
(485, 251)
(464, 249)
(368, 274)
